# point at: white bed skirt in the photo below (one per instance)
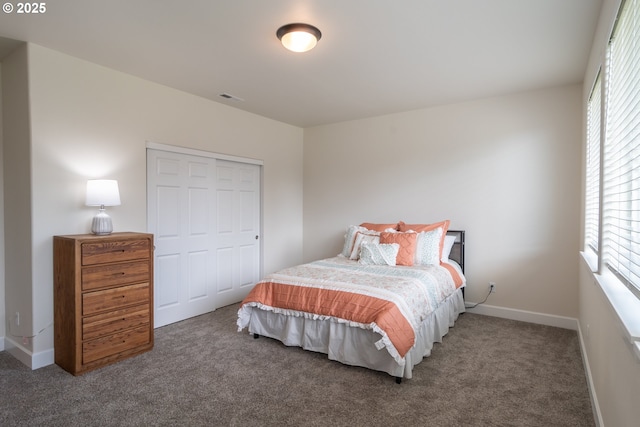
(353, 345)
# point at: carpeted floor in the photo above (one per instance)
(487, 372)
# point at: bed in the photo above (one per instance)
(382, 303)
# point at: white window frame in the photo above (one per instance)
(618, 232)
(592, 167)
(620, 190)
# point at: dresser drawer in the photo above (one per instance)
(114, 344)
(102, 276)
(112, 299)
(114, 321)
(114, 251)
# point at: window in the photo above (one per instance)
(613, 183)
(592, 202)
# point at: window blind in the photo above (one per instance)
(621, 163)
(592, 193)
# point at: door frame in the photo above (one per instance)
(202, 153)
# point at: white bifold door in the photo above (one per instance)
(205, 216)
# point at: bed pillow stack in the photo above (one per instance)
(417, 244)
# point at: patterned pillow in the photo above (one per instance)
(407, 242)
(418, 228)
(379, 254)
(349, 239)
(367, 236)
(428, 247)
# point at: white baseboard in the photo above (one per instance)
(597, 416)
(32, 360)
(42, 359)
(526, 316)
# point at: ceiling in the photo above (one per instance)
(375, 57)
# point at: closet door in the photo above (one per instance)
(237, 230)
(201, 211)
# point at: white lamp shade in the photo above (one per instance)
(102, 192)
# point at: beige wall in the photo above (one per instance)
(2, 298)
(614, 371)
(89, 121)
(18, 293)
(506, 170)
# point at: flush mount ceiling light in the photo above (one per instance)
(299, 37)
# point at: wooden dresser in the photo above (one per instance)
(103, 299)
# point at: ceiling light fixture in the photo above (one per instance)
(298, 37)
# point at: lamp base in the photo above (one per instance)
(101, 224)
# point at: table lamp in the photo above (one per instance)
(102, 192)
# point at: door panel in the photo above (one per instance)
(168, 201)
(166, 294)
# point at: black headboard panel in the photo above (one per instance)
(457, 252)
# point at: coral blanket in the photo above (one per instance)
(392, 301)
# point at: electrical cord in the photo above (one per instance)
(24, 337)
(481, 302)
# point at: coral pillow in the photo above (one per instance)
(427, 227)
(378, 227)
(407, 242)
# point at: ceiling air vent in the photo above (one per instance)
(229, 96)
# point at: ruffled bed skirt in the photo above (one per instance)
(354, 345)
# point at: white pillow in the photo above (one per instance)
(428, 247)
(448, 245)
(378, 254)
(367, 236)
(349, 239)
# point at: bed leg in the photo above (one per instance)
(256, 336)
(398, 380)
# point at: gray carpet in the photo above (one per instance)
(487, 372)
